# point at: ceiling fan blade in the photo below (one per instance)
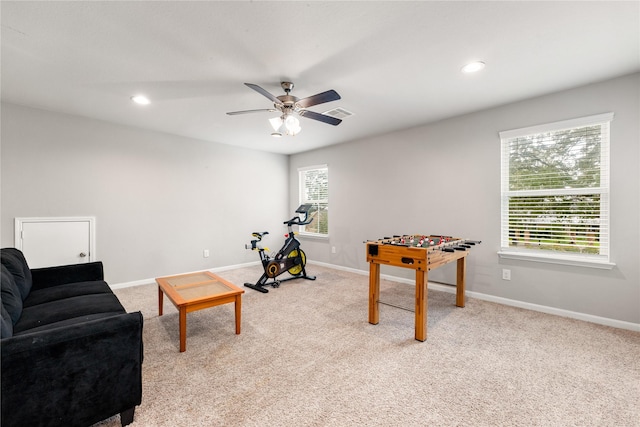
(264, 93)
(320, 117)
(321, 98)
(235, 113)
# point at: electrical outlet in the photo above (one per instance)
(205, 253)
(506, 274)
(333, 249)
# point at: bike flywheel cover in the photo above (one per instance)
(272, 269)
(297, 269)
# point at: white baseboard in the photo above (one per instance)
(439, 287)
(153, 280)
(620, 324)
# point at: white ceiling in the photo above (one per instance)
(395, 64)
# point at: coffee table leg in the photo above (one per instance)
(183, 329)
(238, 313)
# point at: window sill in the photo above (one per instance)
(557, 259)
(313, 236)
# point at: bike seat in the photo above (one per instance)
(258, 234)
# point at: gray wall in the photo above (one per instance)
(159, 200)
(444, 178)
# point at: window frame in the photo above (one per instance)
(302, 230)
(601, 260)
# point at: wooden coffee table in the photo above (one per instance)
(197, 291)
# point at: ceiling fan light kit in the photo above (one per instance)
(285, 125)
(290, 107)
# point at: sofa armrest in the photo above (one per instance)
(61, 275)
(73, 376)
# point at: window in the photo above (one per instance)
(314, 189)
(555, 192)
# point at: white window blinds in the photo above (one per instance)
(314, 190)
(555, 188)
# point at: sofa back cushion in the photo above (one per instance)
(6, 329)
(16, 264)
(11, 299)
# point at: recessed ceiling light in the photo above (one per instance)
(141, 99)
(473, 67)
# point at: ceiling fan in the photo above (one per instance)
(289, 106)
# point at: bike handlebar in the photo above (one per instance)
(296, 221)
(303, 209)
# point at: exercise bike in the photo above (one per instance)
(290, 258)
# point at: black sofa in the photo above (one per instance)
(71, 354)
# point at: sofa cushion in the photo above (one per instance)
(11, 298)
(69, 308)
(7, 325)
(69, 322)
(48, 277)
(69, 290)
(17, 265)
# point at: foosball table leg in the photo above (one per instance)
(421, 305)
(460, 281)
(374, 293)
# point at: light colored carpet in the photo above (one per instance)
(307, 356)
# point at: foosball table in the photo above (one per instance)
(420, 253)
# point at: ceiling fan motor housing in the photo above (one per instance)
(288, 101)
